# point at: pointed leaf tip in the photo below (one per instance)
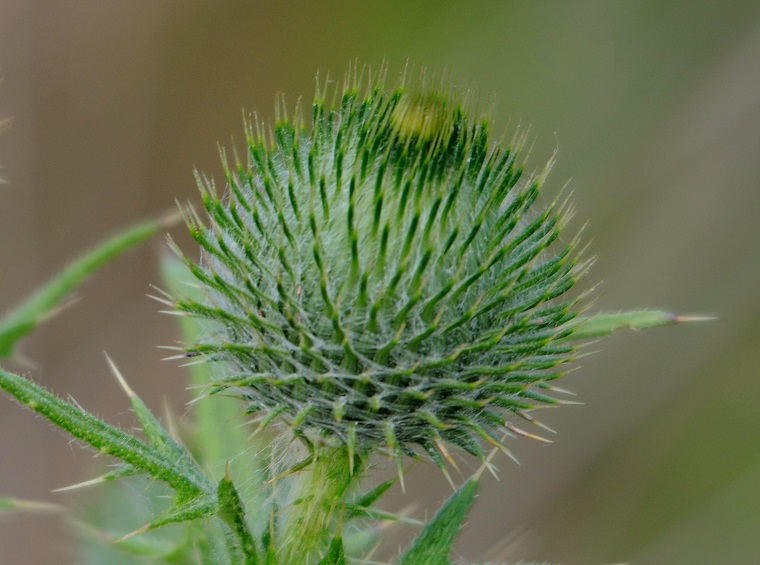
(335, 554)
(687, 319)
(606, 323)
(433, 545)
(119, 377)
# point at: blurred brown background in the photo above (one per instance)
(654, 108)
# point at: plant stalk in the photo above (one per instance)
(317, 506)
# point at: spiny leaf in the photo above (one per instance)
(185, 508)
(433, 545)
(335, 554)
(362, 504)
(221, 435)
(604, 324)
(159, 437)
(232, 512)
(121, 471)
(46, 300)
(355, 511)
(106, 438)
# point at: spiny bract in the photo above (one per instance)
(379, 279)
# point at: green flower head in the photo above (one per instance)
(381, 277)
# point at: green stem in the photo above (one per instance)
(316, 512)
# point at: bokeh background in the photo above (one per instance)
(654, 109)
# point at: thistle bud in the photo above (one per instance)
(381, 277)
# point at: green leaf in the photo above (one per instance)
(181, 544)
(335, 554)
(221, 435)
(433, 545)
(354, 511)
(232, 512)
(159, 437)
(604, 324)
(186, 508)
(362, 504)
(117, 473)
(220, 431)
(195, 495)
(148, 547)
(45, 301)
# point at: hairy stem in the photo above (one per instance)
(316, 511)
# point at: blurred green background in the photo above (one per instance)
(654, 109)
